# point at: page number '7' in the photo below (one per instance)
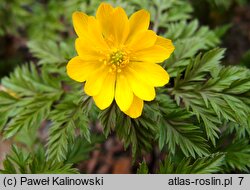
(241, 179)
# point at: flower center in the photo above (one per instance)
(116, 57)
(117, 60)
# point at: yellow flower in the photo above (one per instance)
(117, 57)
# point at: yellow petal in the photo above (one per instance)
(166, 43)
(141, 40)
(95, 81)
(151, 73)
(79, 70)
(114, 23)
(139, 87)
(86, 50)
(123, 93)
(95, 33)
(106, 95)
(138, 21)
(154, 54)
(136, 108)
(80, 22)
(104, 15)
(120, 25)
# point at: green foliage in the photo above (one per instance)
(188, 39)
(48, 52)
(164, 11)
(7, 107)
(139, 133)
(19, 15)
(204, 165)
(34, 112)
(220, 31)
(66, 117)
(143, 168)
(177, 128)
(216, 98)
(27, 99)
(13, 14)
(34, 163)
(26, 81)
(237, 155)
(80, 149)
